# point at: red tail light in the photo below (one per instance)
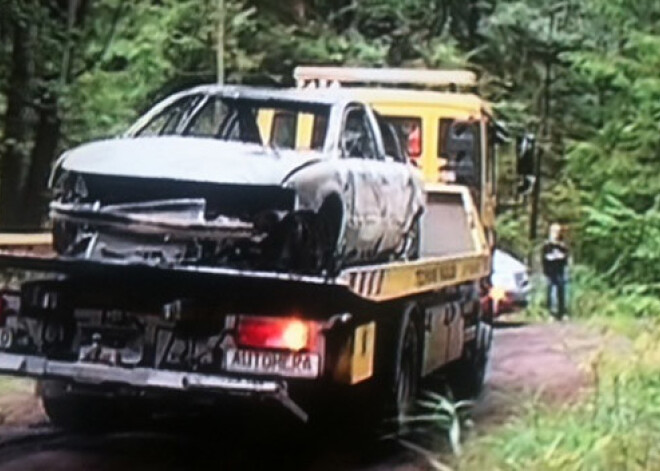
(277, 333)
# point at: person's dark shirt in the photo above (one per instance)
(555, 258)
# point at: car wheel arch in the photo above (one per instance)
(334, 204)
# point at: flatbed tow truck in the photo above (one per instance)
(106, 338)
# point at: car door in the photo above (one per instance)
(400, 187)
(388, 171)
(360, 153)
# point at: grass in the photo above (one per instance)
(614, 427)
(9, 385)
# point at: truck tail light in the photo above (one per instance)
(277, 333)
(497, 294)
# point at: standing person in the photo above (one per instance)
(555, 260)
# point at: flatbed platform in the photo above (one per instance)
(379, 282)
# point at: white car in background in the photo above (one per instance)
(510, 283)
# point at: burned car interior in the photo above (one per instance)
(200, 180)
(228, 119)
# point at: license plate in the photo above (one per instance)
(293, 364)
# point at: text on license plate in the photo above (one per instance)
(294, 364)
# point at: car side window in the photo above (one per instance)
(167, 121)
(391, 141)
(357, 139)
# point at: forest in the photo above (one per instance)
(580, 74)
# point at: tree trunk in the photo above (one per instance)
(44, 151)
(473, 20)
(14, 145)
(299, 10)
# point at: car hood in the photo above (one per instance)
(187, 158)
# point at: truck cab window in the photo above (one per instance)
(283, 131)
(391, 141)
(409, 130)
(460, 146)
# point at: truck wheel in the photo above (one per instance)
(73, 411)
(403, 382)
(467, 375)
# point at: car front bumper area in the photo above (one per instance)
(146, 378)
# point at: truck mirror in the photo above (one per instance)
(525, 162)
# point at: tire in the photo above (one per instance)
(307, 242)
(466, 377)
(299, 250)
(85, 412)
(402, 381)
(328, 229)
(392, 392)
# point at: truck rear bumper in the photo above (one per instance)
(144, 378)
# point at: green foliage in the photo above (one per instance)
(615, 426)
(598, 61)
(434, 414)
(512, 234)
(581, 74)
(592, 298)
(615, 169)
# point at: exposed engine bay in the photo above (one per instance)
(219, 225)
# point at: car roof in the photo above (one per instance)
(316, 96)
(304, 98)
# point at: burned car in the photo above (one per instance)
(203, 178)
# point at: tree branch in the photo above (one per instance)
(92, 63)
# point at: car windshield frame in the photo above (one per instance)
(241, 108)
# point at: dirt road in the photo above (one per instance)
(544, 359)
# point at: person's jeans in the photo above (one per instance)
(556, 287)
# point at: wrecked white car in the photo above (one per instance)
(198, 180)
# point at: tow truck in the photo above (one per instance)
(108, 338)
